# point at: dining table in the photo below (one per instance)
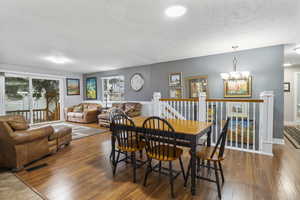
(186, 131)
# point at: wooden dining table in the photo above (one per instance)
(187, 132)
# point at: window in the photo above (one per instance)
(113, 88)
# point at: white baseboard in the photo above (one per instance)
(278, 141)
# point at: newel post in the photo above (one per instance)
(156, 104)
(202, 106)
(266, 122)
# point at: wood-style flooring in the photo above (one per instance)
(82, 171)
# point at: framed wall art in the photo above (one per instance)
(287, 86)
(238, 87)
(91, 88)
(73, 86)
(175, 79)
(195, 85)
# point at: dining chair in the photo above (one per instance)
(128, 141)
(160, 141)
(215, 155)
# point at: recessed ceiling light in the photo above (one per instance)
(106, 68)
(297, 50)
(287, 64)
(175, 11)
(58, 59)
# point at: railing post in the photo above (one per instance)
(202, 106)
(266, 122)
(156, 104)
(2, 93)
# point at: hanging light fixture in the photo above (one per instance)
(235, 74)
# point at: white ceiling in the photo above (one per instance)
(107, 34)
(290, 55)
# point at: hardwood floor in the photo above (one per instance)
(83, 171)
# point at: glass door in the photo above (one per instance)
(45, 96)
(17, 97)
(37, 99)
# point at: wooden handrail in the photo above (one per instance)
(12, 111)
(236, 100)
(217, 100)
(173, 99)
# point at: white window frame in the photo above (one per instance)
(108, 78)
(31, 76)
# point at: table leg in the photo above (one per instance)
(193, 165)
(209, 137)
(113, 150)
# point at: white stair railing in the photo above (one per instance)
(251, 120)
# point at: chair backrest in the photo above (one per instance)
(114, 112)
(123, 129)
(221, 141)
(160, 137)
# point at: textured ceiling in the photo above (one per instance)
(108, 34)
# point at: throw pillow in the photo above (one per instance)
(18, 125)
(78, 109)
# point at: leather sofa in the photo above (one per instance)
(19, 147)
(83, 113)
(130, 109)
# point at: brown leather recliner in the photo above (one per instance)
(20, 147)
(131, 109)
(87, 113)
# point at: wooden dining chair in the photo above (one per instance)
(128, 141)
(215, 155)
(160, 141)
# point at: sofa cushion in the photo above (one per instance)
(18, 124)
(78, 109)
(118, 105)
(104, 116)
(75, 115)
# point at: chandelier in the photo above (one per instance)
(235, 74)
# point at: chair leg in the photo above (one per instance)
(198, 165)
(217, 178)
(159, 167)
(116, 163)
(208, 167)
(149, 169)
(182, 168)
(221, 169)
(171, 179)
(187, 174)
(133, 165)
(141, 154)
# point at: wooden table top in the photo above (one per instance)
(181, 126)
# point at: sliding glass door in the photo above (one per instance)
(17, 97)
(45, 100)
(37, 99)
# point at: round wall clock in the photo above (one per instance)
(137, 82)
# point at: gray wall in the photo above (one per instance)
(265, 65)
(289, 97)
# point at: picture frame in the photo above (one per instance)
(287, 87)
(176, 93)
(73, 86)
(237, 109)
(91, 88)
(196, 85)
(175, 79)
(238, 88)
